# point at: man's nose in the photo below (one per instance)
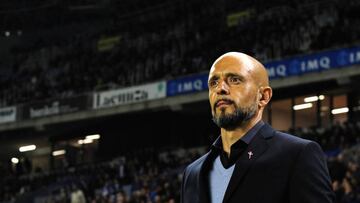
(223, 88)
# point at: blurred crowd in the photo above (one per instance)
(334, 137)
(341, 143)
(345, 174)
(144, 176)
(153, 176)
(168, 40)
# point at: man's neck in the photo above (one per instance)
(229, 137)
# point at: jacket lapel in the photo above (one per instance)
(255, 149)
(203, 178)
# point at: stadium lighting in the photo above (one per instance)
(27, 148)
(340, 110)
(85, 141)
(14, 160)
(314, 98)
(302, 106)
(93, 137)
(58, 152)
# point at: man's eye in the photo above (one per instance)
(213, 83)
(234, 80)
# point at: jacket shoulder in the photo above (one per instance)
(196, 165)
(287, 145)
(271, 134)
(291, 139)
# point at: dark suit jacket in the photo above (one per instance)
(283, 168)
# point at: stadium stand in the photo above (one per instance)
(69, 54)
(81, 63)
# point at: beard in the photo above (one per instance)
(230, 121)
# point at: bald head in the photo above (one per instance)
(238, 89)
(255, 69)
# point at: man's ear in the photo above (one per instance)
(266, 94)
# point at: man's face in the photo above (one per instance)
(233, 93)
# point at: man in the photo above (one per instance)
(250, 161)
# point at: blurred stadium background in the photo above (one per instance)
(106, 101)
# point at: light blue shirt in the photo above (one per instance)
(219, 179)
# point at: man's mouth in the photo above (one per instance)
(222, 102)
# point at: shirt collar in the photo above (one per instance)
(237, 148)
(246, 138)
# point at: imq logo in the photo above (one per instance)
(189, 86)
